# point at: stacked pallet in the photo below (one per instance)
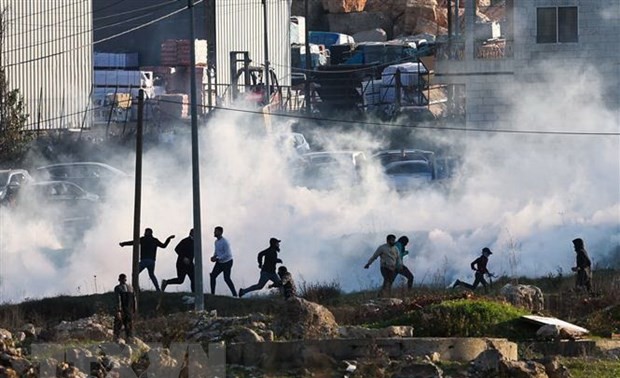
(176, 52)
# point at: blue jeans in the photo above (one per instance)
(264, 277)
(149, 264)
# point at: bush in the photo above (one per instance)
(464, 318)
(320, 292)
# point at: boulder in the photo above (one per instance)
(302, 319)
(82, 329)
(522, 369)
(419, 370)
(554, 367)
(525, 296)
(343, 6)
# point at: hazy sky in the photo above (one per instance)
(525, 196)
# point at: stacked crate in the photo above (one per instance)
(176, 52)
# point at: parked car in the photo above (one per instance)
(11, 180)
(407, 169)
(331, 169)
(63, 199)
(91, 176)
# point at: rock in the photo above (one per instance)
(373, 35)
(343, 6)
(419, 370)
(525, 296)
(554, 367)
(487, 361)
(30, 330)
(243, 335)
(6, 372)
(301, 319)
(316, 360)
(548, 332)
(359, 332)
(522, 369)
(82, 329)
(5, 334)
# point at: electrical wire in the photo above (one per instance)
(87, 31)
(349, 121)
(103, 39)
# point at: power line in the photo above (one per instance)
(49, 41)
(103, 39)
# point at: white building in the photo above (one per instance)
(47, 54)
(240, 27)
(568, 33)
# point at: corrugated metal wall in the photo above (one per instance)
(239, 27)
(47, 54)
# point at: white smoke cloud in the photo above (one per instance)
(526, 196)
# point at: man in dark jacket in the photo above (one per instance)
(148, 253)
(480, 266)
(185, 262)
(125, 307)
(583, 266)
(267, 261)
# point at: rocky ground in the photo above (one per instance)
(174, 344)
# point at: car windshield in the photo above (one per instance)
(408, 168)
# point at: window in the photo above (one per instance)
(556, 25)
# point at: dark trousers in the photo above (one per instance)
(404, 271)
(225, 268)
(125, 320)
(262, 281)
(182, 271)
(149, 264)
(389, 275)
(479, 280)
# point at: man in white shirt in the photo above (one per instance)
(223, 259)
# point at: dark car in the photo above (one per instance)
(62, 200)
(93, 177)
(407, 169)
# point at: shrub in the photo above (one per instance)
(320, 292)
(464, 318)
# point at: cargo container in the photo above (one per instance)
(115, 60)
(123, 78)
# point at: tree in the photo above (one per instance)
(14, 141)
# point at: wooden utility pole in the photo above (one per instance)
(199, 300)
(135, 266)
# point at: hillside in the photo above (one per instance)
(423, 312)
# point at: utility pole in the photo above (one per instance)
(266, 29)
(199, 299)
(135, 265)
(308, 58)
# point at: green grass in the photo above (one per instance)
(463, 318)
(592, 368)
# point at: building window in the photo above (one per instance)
(556, 25)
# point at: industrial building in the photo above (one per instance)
(566, 34)
(47, 55)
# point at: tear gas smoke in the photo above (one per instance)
(526, 196)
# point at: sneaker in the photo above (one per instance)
(164, 283)
(241, 292)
